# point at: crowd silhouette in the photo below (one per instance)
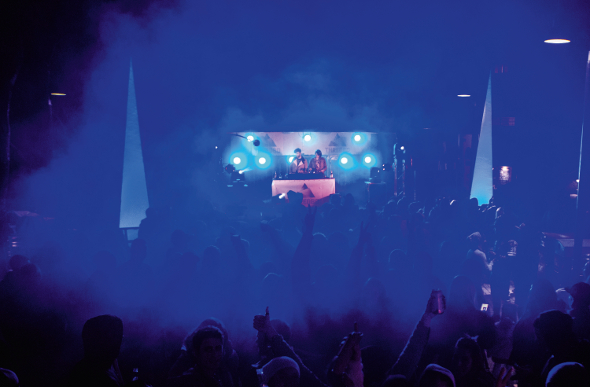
(406, 294)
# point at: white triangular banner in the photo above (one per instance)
(134, 197)
(482, 186)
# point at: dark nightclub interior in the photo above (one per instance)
(281, 193)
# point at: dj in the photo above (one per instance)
(299, 164)
(318, 163)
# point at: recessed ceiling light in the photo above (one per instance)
(464, 95)
(557, 41)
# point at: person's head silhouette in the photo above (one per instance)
(554, 330)
(208, 349)
(102, 337)
(281, 372)
(580, 292)
(568, 374)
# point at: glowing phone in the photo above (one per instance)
(484, 307)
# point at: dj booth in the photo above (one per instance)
(264, 154)
(316, 191)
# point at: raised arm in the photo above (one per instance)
(280, 348)
(346, 369)
(407, 362)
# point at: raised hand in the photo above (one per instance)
(356, 337)
(349, 351)
(503, 377)
(261, 321)
(432, 307)
(262, 324)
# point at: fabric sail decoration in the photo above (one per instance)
(134, 197)
(482, 186)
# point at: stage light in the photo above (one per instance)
(505, 175)
(307, 137)
(346, 161)
(215, 146)
(359, 138)
(282, 196)
(249, 138)
(263, 160)
(399, 152)
(61, 94)
(557, 41)
(464, 95)
(291, 159)
(239, 160)
(369, 160)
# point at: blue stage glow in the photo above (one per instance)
(263, 160)
(359, 138)
(369, 160)
(346, 161)
(250, 138)
(239, 160)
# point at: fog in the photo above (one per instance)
(205, 69)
